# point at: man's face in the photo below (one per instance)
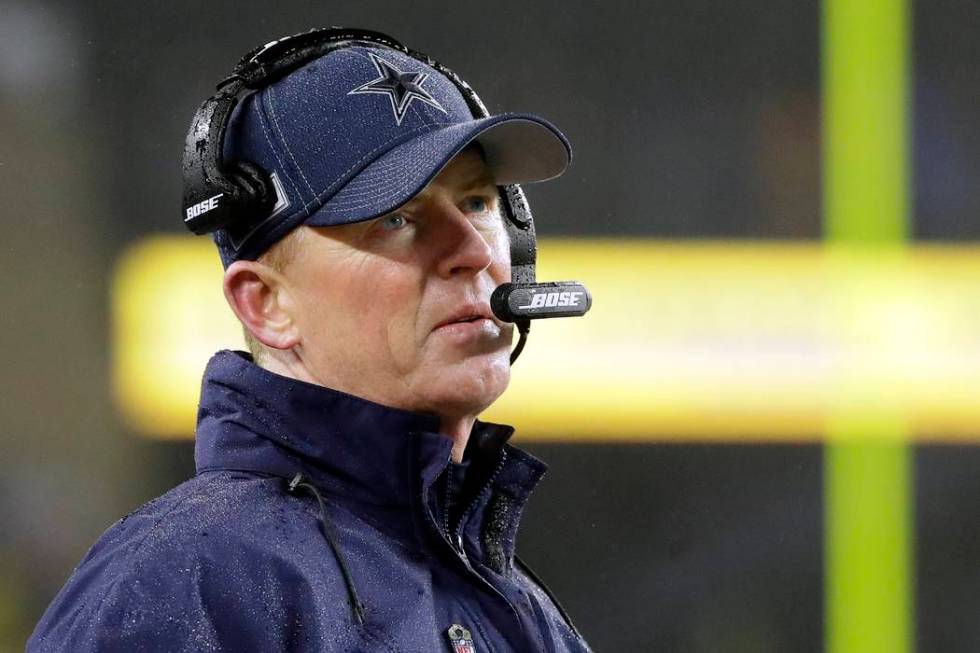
(396, 309)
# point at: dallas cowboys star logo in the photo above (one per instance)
(402, 88)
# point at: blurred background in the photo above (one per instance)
(692, 121)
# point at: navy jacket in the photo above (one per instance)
(317, 521)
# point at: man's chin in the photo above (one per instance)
(470, 385)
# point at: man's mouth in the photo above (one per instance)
(467, 314)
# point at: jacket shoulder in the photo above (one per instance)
(224, 561)
(226, 511)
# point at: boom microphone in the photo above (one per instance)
(512, 302)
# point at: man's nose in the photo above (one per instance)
(461, 247)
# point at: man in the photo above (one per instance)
(347, 498)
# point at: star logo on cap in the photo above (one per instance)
(401, 87)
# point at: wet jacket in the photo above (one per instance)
(317, 521)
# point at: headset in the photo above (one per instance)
(248, 195)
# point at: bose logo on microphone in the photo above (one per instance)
(203, 207)
(549, 299)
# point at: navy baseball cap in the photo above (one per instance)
(358, 132)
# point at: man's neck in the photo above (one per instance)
(455, 428)
(458, 429)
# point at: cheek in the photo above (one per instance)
(395, 312)
(367, 313)
(500, 270)
(332, 299)
(322, 323)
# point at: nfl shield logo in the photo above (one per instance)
(461, 639)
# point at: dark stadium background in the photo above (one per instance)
(690, 120)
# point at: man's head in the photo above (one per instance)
(387, 223)
(393, 309)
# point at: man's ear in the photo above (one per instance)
(255, 292)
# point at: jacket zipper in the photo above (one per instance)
(456, 544)
(483, 581)
(472, 504)
(445, 524)
(523, 565)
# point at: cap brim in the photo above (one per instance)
(519, 148)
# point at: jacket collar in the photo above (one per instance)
(380, 458)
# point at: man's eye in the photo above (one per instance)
(393, 222)
(477, 204)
